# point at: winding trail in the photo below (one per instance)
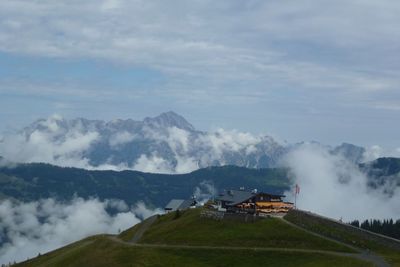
(364, 257)
(145, 225)
(361, 255)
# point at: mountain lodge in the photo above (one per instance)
(241, 201)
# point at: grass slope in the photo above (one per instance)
(347, 234)
(190, 229)
(101, 251)
(225, 243)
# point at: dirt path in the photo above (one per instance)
(312, 251)
(362, 254)
(145, 225)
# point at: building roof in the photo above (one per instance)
(235, 197)
(179, 204)
(174, 204)
(186, 204)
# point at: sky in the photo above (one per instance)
(301, 70)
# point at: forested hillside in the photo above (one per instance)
(33, 181)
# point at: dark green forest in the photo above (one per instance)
(29, 182)
(387, 227)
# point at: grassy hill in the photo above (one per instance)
(100, 251)
(187, 239)
(386, 247)
(191, 229)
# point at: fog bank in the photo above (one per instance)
(332, 186)
(29, 228)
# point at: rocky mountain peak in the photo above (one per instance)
(169, 119)
(351, 152)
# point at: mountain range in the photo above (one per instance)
(383, 172)
(33, 181)
(167, 143)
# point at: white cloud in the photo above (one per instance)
(110, 5)
(373, 152)
(334, 187)
(191, 151)
(67, 143)
(223, 140)
(121, 138)
(52, 123)
(301, 62)
(186, 164)
(230, 41)
(51, 144)
(204, 191)
(178, 139)
(27, 229)
(71, 143)
(153, 164)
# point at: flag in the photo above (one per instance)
(297, 189)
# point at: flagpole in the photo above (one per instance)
(296, 192)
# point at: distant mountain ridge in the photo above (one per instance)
(383, 172)
(167, 143)
(30, 182)
(169, 119)
(33, 181)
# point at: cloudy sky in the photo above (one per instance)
(301, 70)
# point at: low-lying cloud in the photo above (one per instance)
(49, 142)
(121, 138)
(153, 164)
(332, 186)
(204, 191)
(374, 152)
(29, 228)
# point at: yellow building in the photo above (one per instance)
(242, 201)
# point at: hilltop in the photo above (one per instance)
(190, 239)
